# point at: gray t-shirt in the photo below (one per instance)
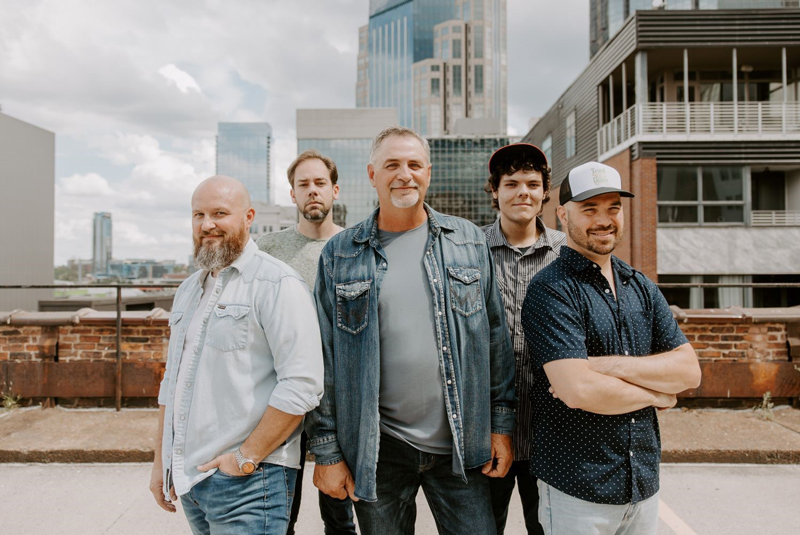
(412, 406)
(300, 252)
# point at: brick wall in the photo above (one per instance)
(738, 342)
(644, 216)
(85, 342)
(622, 163)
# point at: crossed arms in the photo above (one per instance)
(619, 384)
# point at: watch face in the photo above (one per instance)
(248, 467)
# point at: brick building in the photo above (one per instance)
(699, 111)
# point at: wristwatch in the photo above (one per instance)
(248, 466)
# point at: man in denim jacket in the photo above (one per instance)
(419, 370)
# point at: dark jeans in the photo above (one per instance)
(502, 488)
(337, 515)
(457, 507)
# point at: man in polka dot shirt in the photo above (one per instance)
(607, 354)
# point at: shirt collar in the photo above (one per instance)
(578, 263)
(496, 238)
(369, 227)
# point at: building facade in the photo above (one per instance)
(244, 152)
(345, 136)
(102, 240)
(606, 17)
(706, 133)
(27, 207)
(401, 34)
(272, 218)
(459, 173)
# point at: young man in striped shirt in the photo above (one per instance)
(521, 245)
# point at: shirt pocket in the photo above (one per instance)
(352, 305)
(465, 290)
(228, 328)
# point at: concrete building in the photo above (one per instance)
(345, 136)
(102, 240)
(244, 152)
(404, 32)
(606, 17)
(467, 76)
(27, 206)
(706, 132)
(272, 218)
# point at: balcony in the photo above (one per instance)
(698, 121)
(774, 218)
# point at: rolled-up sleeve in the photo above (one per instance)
(292, 330)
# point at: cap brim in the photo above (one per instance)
(530, 151)
(600, 191)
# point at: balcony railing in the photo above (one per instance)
(774, 218)
(678, 121)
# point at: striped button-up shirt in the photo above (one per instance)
(515, 270)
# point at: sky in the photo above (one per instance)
(134, 90)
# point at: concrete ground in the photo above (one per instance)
(62, 435)
(113, 499)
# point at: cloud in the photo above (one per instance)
(180, 79)
(86, 185)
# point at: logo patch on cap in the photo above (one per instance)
(599, 176)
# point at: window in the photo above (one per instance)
(465, 11)
(445, 31)
(477, 40)
(689, 195)
(446, 50)
(456, 29)
(435, 92)
(547, 148)
(456, 80)
(434, 68)
(478, 80)
(571, 145)
(456, 48)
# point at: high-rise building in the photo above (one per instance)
(243, 152)
(606, 17)
(101, 243)
(706, 133)
(345, 136)
(27, 207)
(460, 169)
(401, 34)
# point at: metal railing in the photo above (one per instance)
(119, 288)
(665, 120)
(774, 218)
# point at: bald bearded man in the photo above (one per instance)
(244, 366)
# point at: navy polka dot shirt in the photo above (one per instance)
(570, 312)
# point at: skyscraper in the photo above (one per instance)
(345, 136)
(243, 152)
(465, 41)
(101, 243)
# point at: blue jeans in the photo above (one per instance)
(457, 507)
(503, 487)
(256, 504)
(562, 514)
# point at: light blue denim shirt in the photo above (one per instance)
(475, 354)
(258, 345)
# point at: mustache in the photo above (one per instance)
(602, 229)
(400, 184)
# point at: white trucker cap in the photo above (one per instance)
(589, 180)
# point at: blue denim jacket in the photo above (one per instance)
(474, 346)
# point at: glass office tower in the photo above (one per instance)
(243, 152)
(101, 243)
(460, 170)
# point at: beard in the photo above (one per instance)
(586, 240)
(316, 213)
(213, 257)
(406, 200)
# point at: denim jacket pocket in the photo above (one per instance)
(465, 290)
(352, 304)
(228, 327)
